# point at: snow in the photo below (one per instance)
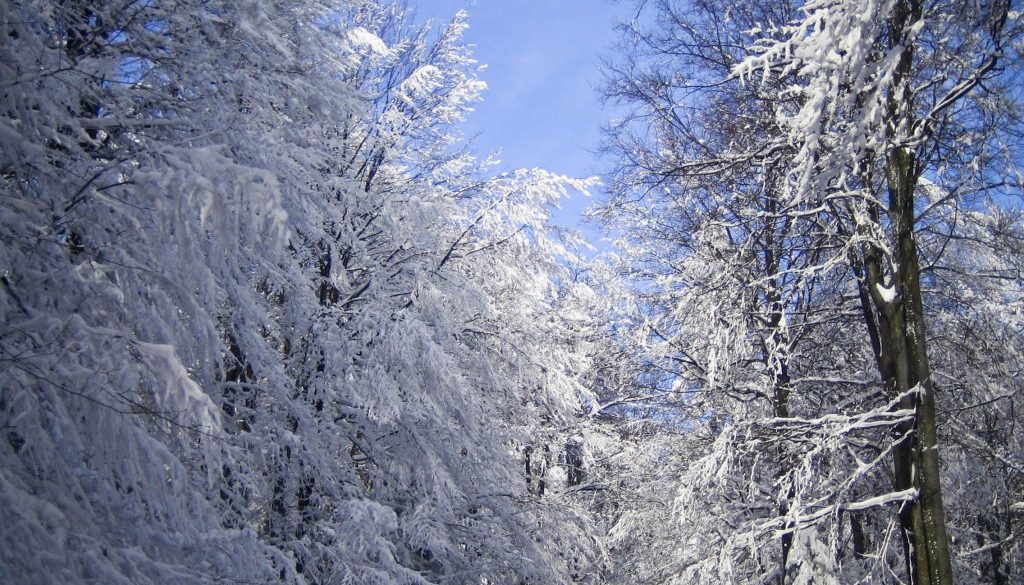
(364, 40)
(237, 348)
(888, 293)
(275, 325)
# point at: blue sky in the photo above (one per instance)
(543, 59)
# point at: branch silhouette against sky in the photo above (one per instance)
(543, 61)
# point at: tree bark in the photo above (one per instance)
(916, 458)
(932, 565)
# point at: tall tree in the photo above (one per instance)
(822, 108)
(875, 121)
(740, 303)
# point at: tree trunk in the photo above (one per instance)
(931, 560)
(917, 458)
(780, 402)
(776, 358)
(896, 324)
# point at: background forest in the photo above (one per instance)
(265, 317)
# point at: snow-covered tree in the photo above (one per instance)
(778, 279)
(885, 91)
(263, 320)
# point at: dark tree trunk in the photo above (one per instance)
(896, 324)
(930, 552)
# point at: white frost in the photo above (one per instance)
(888, 292)
(365, 41)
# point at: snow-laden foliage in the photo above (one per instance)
(817, 205)
(262, 321)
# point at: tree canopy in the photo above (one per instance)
(266, 317)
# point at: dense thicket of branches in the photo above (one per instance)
(261, 319)
(264, 319)
(820, 208)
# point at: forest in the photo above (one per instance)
(267, 317)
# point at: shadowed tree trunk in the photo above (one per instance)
(896, 323)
